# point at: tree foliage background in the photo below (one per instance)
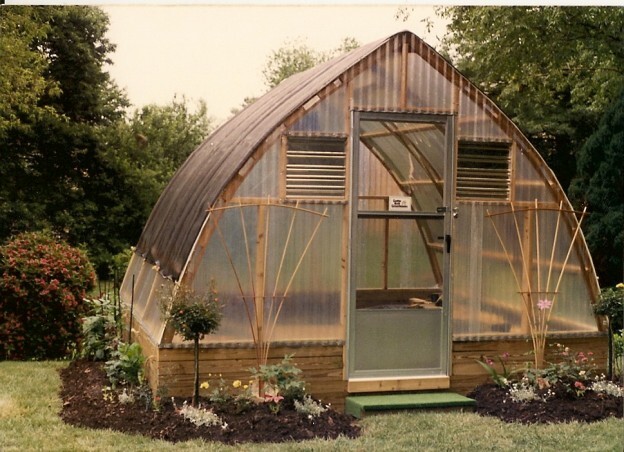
(72, 157)
(555, 71)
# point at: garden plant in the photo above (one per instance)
(43, 283)
(193, 315)
(570, 379)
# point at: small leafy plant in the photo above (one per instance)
(126, 365)
(501, 379)
(310, 407)
(282, 379)
(611, 305)
(99, 330)
(200, 416)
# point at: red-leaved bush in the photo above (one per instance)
(43, 282)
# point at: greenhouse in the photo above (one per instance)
(378, 217)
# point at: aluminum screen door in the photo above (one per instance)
(400, 245)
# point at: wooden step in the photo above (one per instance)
(360, 405)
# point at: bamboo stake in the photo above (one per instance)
(247, 252)
(279, 309)
(552, 253)
(565, 262)
(279, 271)
(526, 272)
(513, 271)
(537, 249)
(238, 281)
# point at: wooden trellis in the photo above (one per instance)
(538, 299)
(263, 311)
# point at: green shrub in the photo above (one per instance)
(43, 282)
(99, 330)
(126, 365)
(283, 379)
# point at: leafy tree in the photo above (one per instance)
(49, 157)
(139, 157)
(294, 57)
(600, 186)
(70, 159)
(23, 79)
(553, 70)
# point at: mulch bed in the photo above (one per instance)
(564, 406)
(84, 405)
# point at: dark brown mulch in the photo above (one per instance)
(564, 406)
(84, 405)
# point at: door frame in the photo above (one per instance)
(363, 384)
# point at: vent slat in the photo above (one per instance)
(483, 171)
(316, 167)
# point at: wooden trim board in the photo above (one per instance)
(398, 384)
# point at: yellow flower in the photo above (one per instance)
(620, 285)
(237, 384)
(246, 387)
(204, 385)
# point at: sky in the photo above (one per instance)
(217, 53)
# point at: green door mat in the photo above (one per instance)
(359, 405)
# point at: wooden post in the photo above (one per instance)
(262, 226)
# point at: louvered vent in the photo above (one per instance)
(315, 167)
(483, 171)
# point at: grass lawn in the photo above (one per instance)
(29, 404)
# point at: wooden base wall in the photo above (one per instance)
(467, 373)
(321, 369)
(170, 370)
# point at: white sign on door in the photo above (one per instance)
(399, 203)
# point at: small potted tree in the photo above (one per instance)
(193, 315)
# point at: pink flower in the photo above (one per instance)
(579, 385)
(544, 304)
(273, 398)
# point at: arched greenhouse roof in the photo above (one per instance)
(181, 210)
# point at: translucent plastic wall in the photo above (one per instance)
(145, 296)
(305, 269)
(296, 248)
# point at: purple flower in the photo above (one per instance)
(544, 304)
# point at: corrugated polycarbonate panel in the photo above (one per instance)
(152, 317)
(379, 85)
(142, 284)
(428, 90)
(478, 118)
(311, 307)
(147, 295)
(529, 184)
(263, 180)
(325, 115)
(370, 253)
(487, 298)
